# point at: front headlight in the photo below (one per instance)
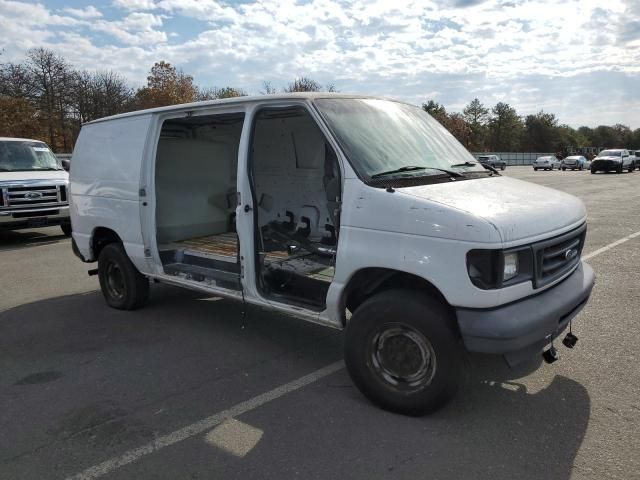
(510, 268)
(491, 269)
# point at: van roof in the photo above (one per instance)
(246, 99)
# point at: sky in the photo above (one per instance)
(579, 59)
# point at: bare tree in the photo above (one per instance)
(214, 93)
(306, 84)
(51, 82)
(268, 88)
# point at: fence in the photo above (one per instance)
(516, 158)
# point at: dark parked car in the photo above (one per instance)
(493, 161)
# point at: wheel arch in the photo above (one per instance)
(371, 280)
(101, 237)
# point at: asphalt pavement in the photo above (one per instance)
(188, 388)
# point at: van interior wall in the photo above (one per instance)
(295, 176)
(288, 170)
(196, 168)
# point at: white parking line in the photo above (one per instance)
(243, 407)
(610, 246)
(204, 424)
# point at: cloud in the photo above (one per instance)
(87, 12)
(534, 54)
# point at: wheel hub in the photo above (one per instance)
(403, 357)
(115, 280)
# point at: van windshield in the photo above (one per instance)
(383, 136)
(16, 156)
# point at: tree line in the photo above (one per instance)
(502, 129)
(44, 97)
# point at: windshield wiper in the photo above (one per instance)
(465, 164)
(472, 164)
(408, 168)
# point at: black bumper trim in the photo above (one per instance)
(526, 326)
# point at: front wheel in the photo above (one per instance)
(122, 285)
(503, 166)
(593, 170)
(402, 352)
(66, 229)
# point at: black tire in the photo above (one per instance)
(593, 170)
(564, 169)
(415, 327)
(631, 168)
(66, 229)
(123, 286)
(503, 166)
(535, 169)
(619, 169)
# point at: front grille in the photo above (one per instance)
(557, 256)
(33, 196)
(42, 213)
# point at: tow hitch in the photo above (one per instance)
(551, 354)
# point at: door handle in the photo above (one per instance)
(247, 209)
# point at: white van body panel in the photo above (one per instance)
(516, 209)
(105, 184)
(428, 230)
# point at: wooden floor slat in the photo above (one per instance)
(223, 244)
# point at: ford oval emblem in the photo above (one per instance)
(569, 254)
(33, 195)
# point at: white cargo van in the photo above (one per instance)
(356, 213)
(33, 186)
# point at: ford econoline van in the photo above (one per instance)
(33, 186)
(356, 213)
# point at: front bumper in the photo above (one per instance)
(605, 165)
(522, 329)
(34, 217)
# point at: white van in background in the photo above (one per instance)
(318, 205)
(33, 186)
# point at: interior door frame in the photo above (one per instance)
(249, 246)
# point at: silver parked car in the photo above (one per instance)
(546, 163)
(574, 162)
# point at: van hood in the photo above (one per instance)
(516, 209)
(34, 175)
(612, 157)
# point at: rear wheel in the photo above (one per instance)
(122, 285)
(402, 352)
